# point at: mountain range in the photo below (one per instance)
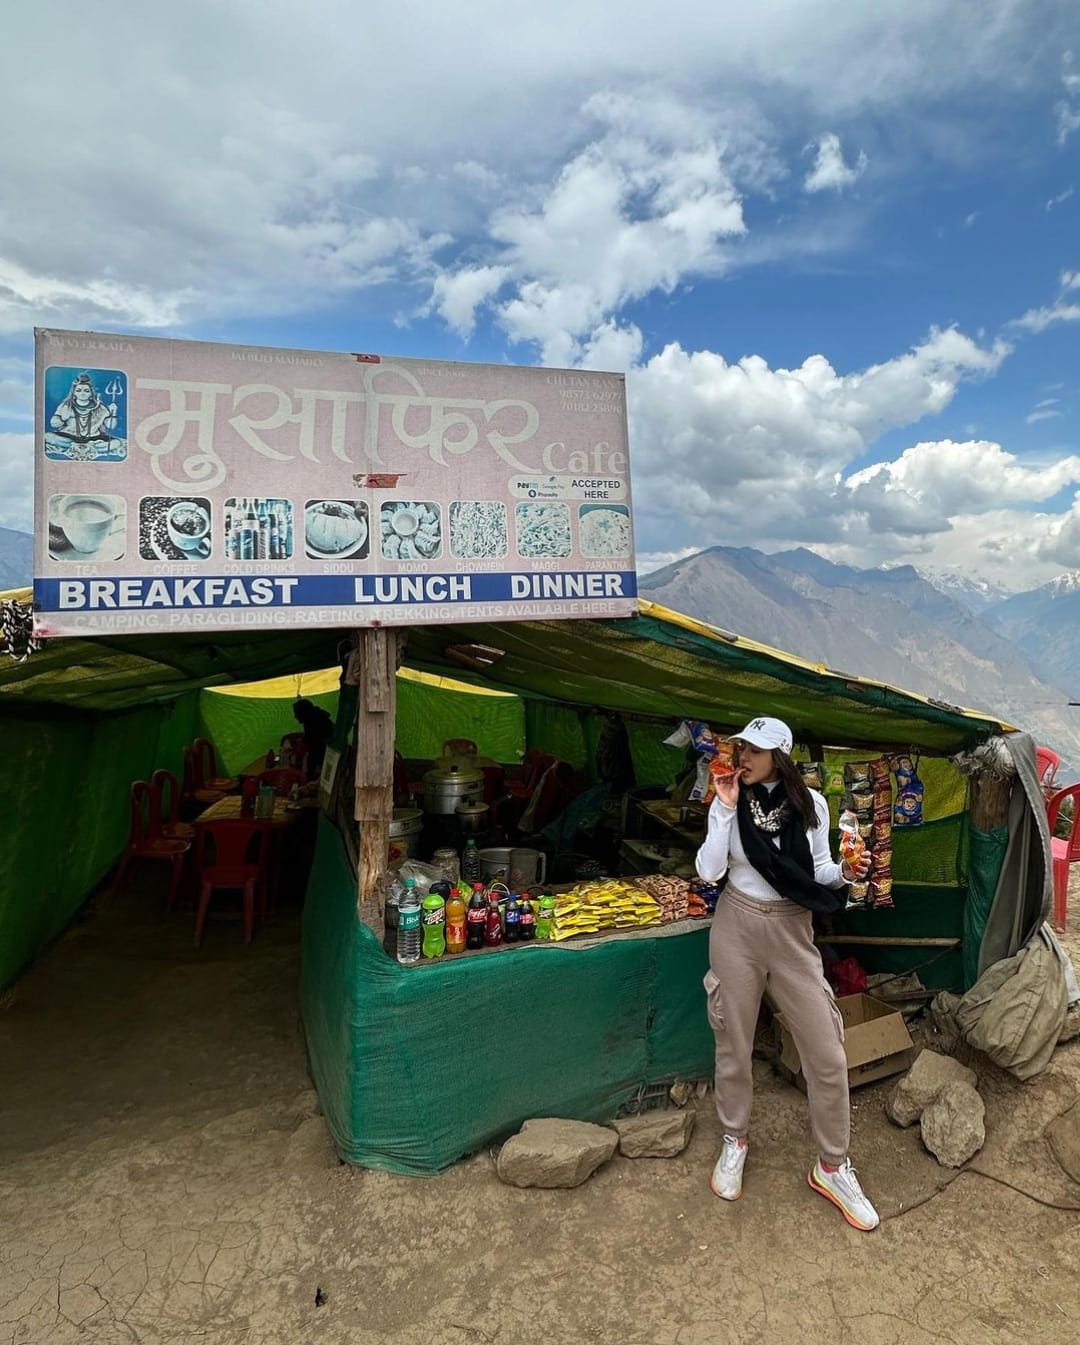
(1013, 657)
(16, 559)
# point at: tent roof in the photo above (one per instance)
(658, 664)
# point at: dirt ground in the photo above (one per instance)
(165, 1177)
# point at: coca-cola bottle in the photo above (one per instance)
(476, 918)
(493, 923)
(528, 919)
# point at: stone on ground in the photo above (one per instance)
(1063, 1132)
(954, 1125)
(1070, 1029)
(550, 1152)
(659, 1134)
(922, 1083)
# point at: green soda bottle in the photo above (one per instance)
(434, 921)
(545, 918)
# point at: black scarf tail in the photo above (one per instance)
(789, 867)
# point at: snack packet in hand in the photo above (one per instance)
(852, 845)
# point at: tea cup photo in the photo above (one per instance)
(92, 525)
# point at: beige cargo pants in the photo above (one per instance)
(754, 944)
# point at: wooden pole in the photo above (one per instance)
(883, 941)
(373, 668)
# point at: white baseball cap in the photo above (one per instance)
(766, 732)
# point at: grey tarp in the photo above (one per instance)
(1024, 891)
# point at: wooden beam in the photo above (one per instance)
(884, 941)
(374, 668)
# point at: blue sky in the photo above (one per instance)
(836, 247)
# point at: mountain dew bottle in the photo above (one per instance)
(545, 917)
(434, 920)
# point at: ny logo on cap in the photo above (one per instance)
(758, 725)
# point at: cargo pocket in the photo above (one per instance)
(714, 1007)
(834, 1009)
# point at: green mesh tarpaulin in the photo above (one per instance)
(984, 867)
(71, 775)
(416, 1067)
(242, 728)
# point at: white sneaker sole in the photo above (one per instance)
(720, 1194)
(824, 1191)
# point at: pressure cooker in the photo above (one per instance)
(448, 785)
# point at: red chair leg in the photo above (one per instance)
(174, 880)
(249, 911)
(121, 873)
(1061, 894)
(200, 914)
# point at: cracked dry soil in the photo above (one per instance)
(165, 1177)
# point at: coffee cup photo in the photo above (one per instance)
(92, 526)
(188, 526)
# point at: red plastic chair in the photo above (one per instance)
(205, 761)
(165, 808)
(1048, 761)
(142, 844)
(281, 779)
(231, 854)
(1065, 852)
(192, 792)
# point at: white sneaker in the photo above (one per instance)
(726, 1181)
(843, 1189)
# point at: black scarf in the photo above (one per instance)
(789, 867)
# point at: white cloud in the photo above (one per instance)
(1067, 110)
(831, 173)
(1041, 413)
(930, 483)
(456, 295)
(969, 220)
(646, 203)
(17, 481)
(1060, 198)
(741, 450)
(1061, 310)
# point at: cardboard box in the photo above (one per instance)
(876, 1042)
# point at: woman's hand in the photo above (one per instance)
(727, 789)
(855, 873)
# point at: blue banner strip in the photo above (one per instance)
(176, 593)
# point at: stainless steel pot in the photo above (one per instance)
(447, 786)
(405, 829)
(471, 817)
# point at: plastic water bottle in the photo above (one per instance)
(434, 920)
(390, 917)
(470, 862)
(409, 935)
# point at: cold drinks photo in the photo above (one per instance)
(258, 529)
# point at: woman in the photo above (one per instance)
(769, 837)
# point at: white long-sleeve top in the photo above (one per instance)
(722, 852)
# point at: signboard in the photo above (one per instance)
(182, 485)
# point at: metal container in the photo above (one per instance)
(447, 786)
(405, 829)
(471, 817)
(495, 863)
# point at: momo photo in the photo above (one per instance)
(87, 528)
(85, 414)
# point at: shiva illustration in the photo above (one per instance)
(81, 425)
